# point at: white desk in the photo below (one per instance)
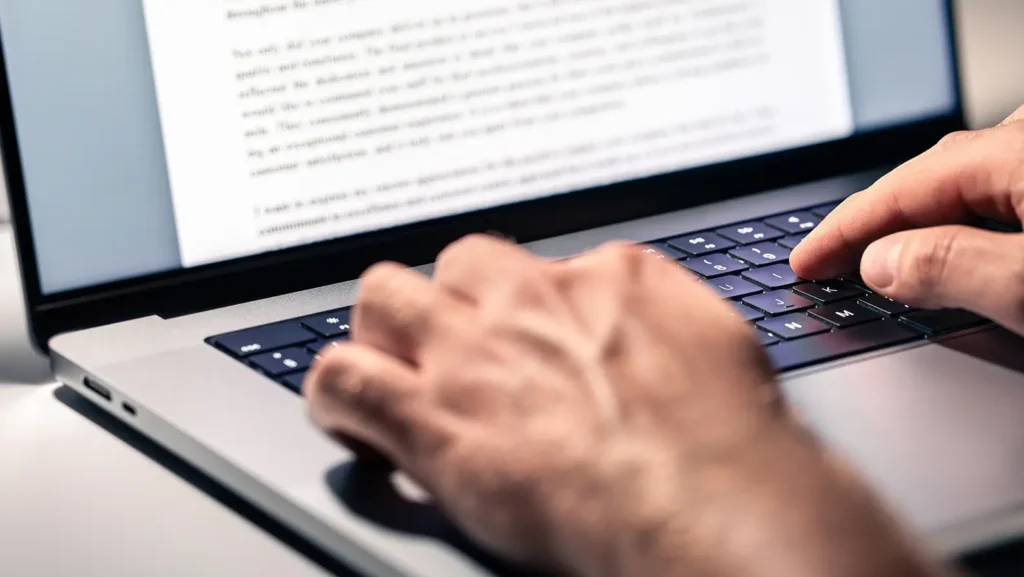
(77, 500)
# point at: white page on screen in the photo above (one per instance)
(292, 121)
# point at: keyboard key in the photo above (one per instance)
(791, 242)
(761, 254)
(766, 339)
(794, 326)
(733, 287)
(938, 322)
(329, 324)
(807, 324)
(823, 211)
(715, 265)
(855, 279)
(283, 362)
(831, 346)
(845, 315)
(886, 305)
(779, 302)
(794, 223)
(662, 251)
(294, 381)
(315, 348)
(749, 233)
(748, 314)
(701, 244)
(254, 341)
(996, 226)
(828, 292)
(774, 277)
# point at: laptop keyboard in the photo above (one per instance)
(799, 323)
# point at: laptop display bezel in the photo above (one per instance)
(186, 291)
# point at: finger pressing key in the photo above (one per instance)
(398, 309)
(968, 175)
(361, 393)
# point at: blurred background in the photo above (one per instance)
(991, 47)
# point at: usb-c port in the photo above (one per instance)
(97, 388)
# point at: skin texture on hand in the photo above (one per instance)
(909, 234)
(601, 417)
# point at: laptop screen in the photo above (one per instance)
(157, 135)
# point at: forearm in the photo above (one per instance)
(790, 512)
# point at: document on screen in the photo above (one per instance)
(292, 121)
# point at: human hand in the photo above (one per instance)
(605, 416)
(907, 231)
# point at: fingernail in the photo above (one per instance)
(880, 262)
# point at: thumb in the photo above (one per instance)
(952, 267)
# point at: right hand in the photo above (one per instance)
(907, 230)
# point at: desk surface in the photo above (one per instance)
(77, 500)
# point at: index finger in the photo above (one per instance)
(966, 176)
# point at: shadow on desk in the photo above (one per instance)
(1003, 561)
(199, 480)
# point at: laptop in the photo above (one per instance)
(196, 184)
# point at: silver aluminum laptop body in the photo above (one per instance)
(935, 425)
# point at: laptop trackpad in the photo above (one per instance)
(375, 494)
(938, 429)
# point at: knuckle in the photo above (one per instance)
(926, 262)
(377, 290)
(385, 287)
(634, 257)
(607, 255)
(623, 262)
(379, 275)
(956, 139)
(619, 247)
(465, 247)
(623, 253)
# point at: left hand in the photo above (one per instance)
(603, 417)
